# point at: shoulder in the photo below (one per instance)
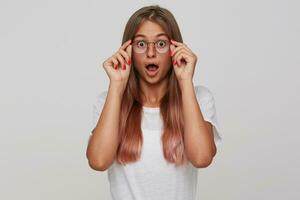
(203, 93)
(100, 97)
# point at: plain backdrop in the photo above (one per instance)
(51, 72)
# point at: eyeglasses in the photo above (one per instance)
(141, 46)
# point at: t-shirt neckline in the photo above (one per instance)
(151, 109)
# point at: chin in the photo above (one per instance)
(155, 80)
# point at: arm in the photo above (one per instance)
(198, 135)
(104, 141)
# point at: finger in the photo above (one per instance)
(188, 48)
(121, 60)
(181, 44)
(172, 48)
(107, 62)
(107, 65)
(129, 52)
(125, 55)
(115, 62)
(175, 57)
(182, 57)
(175, 50)
(178, 49)
(125, 44)
(176, 43)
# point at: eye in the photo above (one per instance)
(141, 44)
(161, 43)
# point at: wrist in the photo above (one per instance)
(117, 88)
(185, 84)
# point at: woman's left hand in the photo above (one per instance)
(184, 61)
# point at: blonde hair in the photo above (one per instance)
(130, 133)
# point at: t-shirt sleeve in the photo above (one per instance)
(97, 108)
(208, 109)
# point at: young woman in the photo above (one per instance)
(153, 128)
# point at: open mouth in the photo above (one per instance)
(152, 69)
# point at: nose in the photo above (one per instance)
(151, 50)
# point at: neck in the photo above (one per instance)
(152, 93)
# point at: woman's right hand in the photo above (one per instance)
(118, 65)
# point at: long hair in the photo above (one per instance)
(130, 133)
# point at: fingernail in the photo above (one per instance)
(123, 66)
(116, 66)
(129, 62)
(174, 62)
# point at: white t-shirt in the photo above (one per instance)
(152, 177)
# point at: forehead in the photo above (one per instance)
(150, 30)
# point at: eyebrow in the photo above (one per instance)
(159, 34)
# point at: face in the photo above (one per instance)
(151, 32)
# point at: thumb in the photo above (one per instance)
(172, 47)
(129, 51)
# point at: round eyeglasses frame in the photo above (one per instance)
(156, 44)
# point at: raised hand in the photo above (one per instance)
(184, 61)
(118, 65)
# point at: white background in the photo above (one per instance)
(51, 72)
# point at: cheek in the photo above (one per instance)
(167, 60)
(136, 60)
